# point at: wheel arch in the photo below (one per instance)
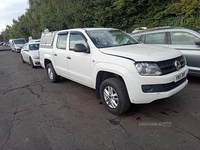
(46, 62)
(102, 71)
(103, 75)
(47, 58)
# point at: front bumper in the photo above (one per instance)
(18, 50)
(145, 89)
(36, 62)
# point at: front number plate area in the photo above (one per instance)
(180, 76)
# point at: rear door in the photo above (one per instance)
(185, 42)
(60, 54)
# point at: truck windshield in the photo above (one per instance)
(19, 41)
(110, 38)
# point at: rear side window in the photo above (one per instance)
(61, 41)
(183, 38)
(155, 38)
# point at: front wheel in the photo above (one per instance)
(53, 77)
(114, 96)
(22, 59)
(31, 62)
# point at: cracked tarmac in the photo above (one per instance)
(38, 115)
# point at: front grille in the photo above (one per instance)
(168, 66)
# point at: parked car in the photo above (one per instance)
(7, 44)
(30, 54)
(17, 44)
(186, 40)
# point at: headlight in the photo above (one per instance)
(36, 57)
(148, 69)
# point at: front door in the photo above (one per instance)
(79, 63)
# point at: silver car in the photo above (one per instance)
(30, 54)
(186, 40)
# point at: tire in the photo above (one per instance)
(22, 59)
(53, 77)
(31, 62)
(114, 96)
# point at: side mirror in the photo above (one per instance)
(197, 42)
(80, 48)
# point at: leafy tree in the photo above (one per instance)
(122, 14)
(181, 13)
(80, 13)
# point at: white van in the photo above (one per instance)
(17, 44)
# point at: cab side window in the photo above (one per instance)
(76, 38)
(61, 41)
(183, 38)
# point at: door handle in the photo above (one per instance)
(55, 54)
(68, 57)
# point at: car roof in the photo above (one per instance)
(165, 28)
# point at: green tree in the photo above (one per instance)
(181, 13)
(122, 14)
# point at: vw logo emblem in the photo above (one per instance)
(177, 64)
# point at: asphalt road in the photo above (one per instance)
(38, 115)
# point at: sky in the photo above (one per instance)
(11, 9)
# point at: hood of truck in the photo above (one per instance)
(142, 52)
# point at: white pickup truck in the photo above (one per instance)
(110, 61)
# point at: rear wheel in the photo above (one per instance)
(53, 77)
(114, 96)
